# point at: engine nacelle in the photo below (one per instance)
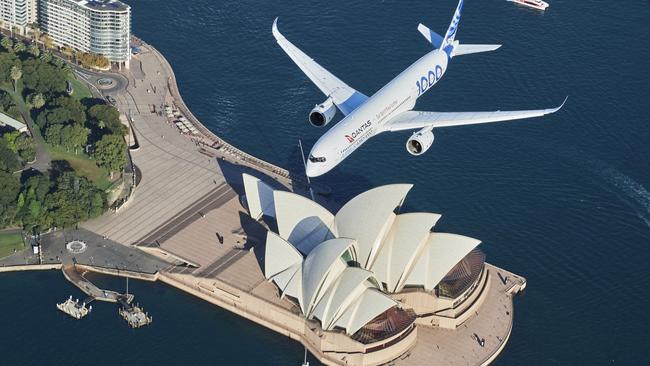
(322, 113)
(419, 142)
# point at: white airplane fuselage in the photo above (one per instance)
(369, 119)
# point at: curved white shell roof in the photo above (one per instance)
(321, 268)
(368, 216)
(259, 197)
(368, 306)
(301, 221)
(349, 286)
(280, 253)
(403, 244)
(396, 250)
(443, 252)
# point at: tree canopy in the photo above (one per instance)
(43, 77)
(110, 152)
(109, 116)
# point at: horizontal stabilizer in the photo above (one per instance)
(434, 38)
(466, 49)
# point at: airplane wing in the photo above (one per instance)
(346, 98)
(416, 120)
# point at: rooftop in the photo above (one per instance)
(6, 120)
(103, 5)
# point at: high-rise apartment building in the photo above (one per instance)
(97, 26)
(17, 14)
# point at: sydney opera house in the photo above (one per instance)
(369, 278)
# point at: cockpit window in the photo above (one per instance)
(315, 159)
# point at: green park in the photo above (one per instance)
(81, 135)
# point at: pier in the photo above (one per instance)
(71, 274)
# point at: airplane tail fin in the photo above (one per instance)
(448, 43)
(438, 41)
(453, 26)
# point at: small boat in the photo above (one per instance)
(535, 4)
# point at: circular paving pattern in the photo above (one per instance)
(76, 247)
(105, 83)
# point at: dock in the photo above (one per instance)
(134, 315)
(73, 308)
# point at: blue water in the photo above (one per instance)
(563, 200)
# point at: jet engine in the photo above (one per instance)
(322, 113)
(419, 142)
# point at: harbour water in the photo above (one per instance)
(563, 200)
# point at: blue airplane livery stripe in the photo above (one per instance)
(354, 101)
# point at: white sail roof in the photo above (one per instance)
(442, 253)
(281, 255)
(322, 266)
(403, 244)
(367, 307)
(308, 258)
(338, 297)
(368, 216)
(259, 197)
(301, 221)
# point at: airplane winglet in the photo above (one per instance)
(276, 32)
(561, 105)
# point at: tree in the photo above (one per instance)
(8, 159)
(92, 60)
(16, 74)
(108, 116)
(36, 100)
(58, 62)
(32, 210)
(33, 50)
(42, 77)
(7, 44)
(71, 137)
(10, 186)
(74, 199)
(110, 152)
(53, 134)
(45, 56)
(47, 41)
(36, 33)
(19, 47)
(62, 110)
(7, 61)
(74, 137)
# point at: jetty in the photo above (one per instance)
(95, 293)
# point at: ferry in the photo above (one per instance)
(535, 4)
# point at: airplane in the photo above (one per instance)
(390, 108)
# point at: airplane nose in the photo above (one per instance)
(311, 170)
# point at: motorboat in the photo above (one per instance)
(535, 4)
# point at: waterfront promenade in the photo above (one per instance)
(185, 225)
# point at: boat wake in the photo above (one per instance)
(626, 185)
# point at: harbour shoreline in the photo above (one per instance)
(253, 302)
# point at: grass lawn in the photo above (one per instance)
(81, 90)
(83, 165)
(9, 242)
